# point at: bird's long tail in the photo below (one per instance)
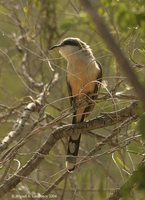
(73, 147)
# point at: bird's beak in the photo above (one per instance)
(55, 46)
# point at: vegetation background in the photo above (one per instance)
(28, 28)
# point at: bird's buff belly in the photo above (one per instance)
(81, 84)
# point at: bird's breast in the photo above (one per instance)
(82, 78)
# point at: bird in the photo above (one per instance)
(84, 77)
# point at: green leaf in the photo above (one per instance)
(25, 9)
(118, 160)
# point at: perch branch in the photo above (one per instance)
(89, 155)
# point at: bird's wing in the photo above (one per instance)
(91, 105)
(69, 91)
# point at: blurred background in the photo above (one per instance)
(28, 28)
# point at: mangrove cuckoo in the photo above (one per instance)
(84, 75)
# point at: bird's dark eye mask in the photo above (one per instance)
(71, 42)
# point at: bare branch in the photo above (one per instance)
(24, 65)
(28, 78)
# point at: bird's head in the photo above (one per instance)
(70, 47)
